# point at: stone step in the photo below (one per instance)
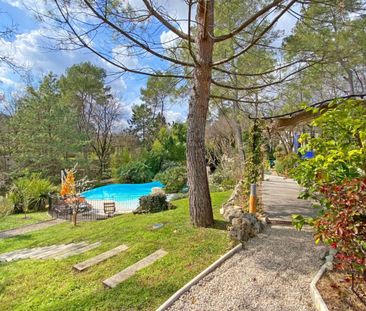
(41, 250)
(131, 270)
(99, 258)
(48, 250)
(62, 250)
(77, 251)
(6, 257)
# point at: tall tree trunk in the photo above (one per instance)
(199, 193)
(238, 135)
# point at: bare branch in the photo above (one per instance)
(106, 58)
(238, 100)
(248, 22)
(161, 19)
(132, 39)
(263, 72)
(261, 86)
(259, 37)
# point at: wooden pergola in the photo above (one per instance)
(301, 116)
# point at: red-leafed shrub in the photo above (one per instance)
(343, 223)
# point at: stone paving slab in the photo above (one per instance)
(131, 270)
(60, 251)
(78, 251)
(99, 258)
(64, 249)
(29, 228)
(280, 197)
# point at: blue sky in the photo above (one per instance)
(31, 48)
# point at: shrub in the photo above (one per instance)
(339, 150)
(174, 178)
(343, 223)
(285, 164)
(153, 203)
(6, 207)
(134, 172)
(30, 193)
(222, 180)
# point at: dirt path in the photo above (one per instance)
(274, 270)
(29, 228)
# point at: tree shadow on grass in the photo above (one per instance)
(16, 238)
(220, 224)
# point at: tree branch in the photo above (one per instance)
(249, 21)
(161, 19)
(135, 41)
(238, 100)
(261, 73)
(259, 37)
(261, 86)
(107, 59)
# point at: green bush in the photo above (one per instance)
(152, 203)
(30, 193)
(134, 172)
(6, 207)
(222, 180)
(174, 178)
(339, 149)
(285, 164)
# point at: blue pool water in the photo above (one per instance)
(121, 192)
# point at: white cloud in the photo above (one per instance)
(30, 51)
(168, 39)
(124, 56)
(174, 116)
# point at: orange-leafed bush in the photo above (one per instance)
(68, 187)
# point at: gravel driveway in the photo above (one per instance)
(272, 273)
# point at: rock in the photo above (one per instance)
(233, 212)
(157, 190)
(244, 227)
(236, 221)
(157, 226)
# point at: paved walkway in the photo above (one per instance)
(274, 270)
(30, 228)
(280, 197)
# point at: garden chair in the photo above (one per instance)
(109, 208)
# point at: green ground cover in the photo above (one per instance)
(18, 220)
(53, 285)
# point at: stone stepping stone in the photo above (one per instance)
(47, 250)
(63, 250)
(53, 251)
(99, 258)
(43, 250)
(157, 226)
(131, 270)
(77, 251)
(6, 257)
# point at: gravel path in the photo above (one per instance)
(273, 273)
(29, 228)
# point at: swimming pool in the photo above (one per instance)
(121, 192)
(126, 196)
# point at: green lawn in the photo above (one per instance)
(18, 220)
(53, 285)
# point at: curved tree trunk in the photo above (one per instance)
(199, 193)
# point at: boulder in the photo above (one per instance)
(233, 212)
